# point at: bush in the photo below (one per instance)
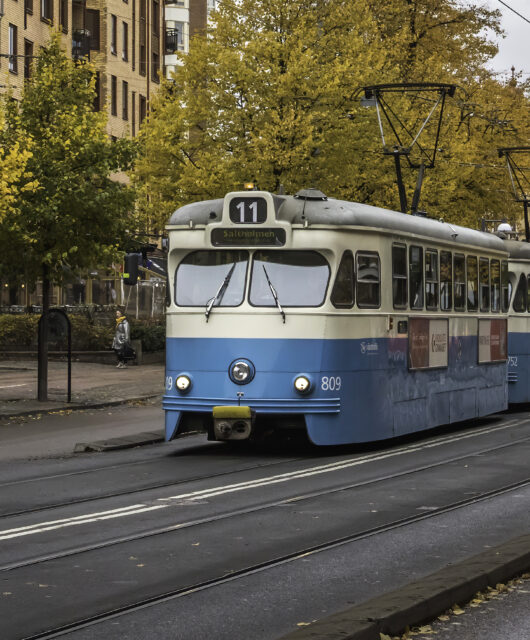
(152, 335)
(87, 335)
(18, 330)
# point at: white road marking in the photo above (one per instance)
(242, 486)
(71, 522)
(10, 386)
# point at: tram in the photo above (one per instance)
(351, 322)
(518, 322)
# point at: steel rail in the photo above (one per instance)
(247, 510)
(115, 494)
(269, 564)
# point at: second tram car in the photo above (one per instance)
(519, 322)
(349, 321)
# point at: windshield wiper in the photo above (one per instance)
(274, 294)
(220, 292)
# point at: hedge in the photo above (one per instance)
(87, 335)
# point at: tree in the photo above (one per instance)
(74, 215)
(271, 95)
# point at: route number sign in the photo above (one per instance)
(245, 210)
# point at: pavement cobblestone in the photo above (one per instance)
(93, 385)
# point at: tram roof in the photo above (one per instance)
(518, 249)
(342, 213)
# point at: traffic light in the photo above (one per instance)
(130, 272)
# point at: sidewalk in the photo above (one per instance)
(93, 385)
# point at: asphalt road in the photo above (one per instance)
(193, 540)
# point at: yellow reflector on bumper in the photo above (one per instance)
(232, 413)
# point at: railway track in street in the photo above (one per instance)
(277, 519)
(193, 588)
(89, 476)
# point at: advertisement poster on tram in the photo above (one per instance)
(428, 343)
(492, 340)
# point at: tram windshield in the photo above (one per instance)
(300, 278)
(216, 277)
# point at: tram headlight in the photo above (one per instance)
(302, 384)
(183, 383)
(240, 371)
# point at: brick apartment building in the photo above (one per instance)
(122, 38)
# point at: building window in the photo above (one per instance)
(125, 100)
(125, 41)
(28, 6)
(46, 10)
(143, 109)
(155, 67)
(133, 28)
(63, 15)
(133, 113)
(113, 96)
(92, 25)
(97, 90)
(113, 34)
(28, 58)
(13, 49)
(156, 18)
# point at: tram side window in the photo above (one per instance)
(505, 286)
(342, 295)
(484, 284)
(446, 280)
(495, 286)
(520, 297)
(399, 276)
(431, 279)
(528, 291)
(416, 277)
(472, 283)
(368, 280)
(460, 283)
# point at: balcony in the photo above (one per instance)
(81, 45)
(174, 41)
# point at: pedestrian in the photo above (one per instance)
(121, 343)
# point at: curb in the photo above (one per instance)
(114, 444)
(423, 600)
(77, 407)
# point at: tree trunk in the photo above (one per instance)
(42, 376)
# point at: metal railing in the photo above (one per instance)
(81, 45)
(174, 41)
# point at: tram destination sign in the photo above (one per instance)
(244, 237)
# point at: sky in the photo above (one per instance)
(514, 49)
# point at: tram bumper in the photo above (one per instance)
(232, 423)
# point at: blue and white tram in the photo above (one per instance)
(349, 321)
(519, 322)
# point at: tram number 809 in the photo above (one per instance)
(330, 383)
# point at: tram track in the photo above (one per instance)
(124, 492)
(269, 564)
(253, 509)
(197, 478)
